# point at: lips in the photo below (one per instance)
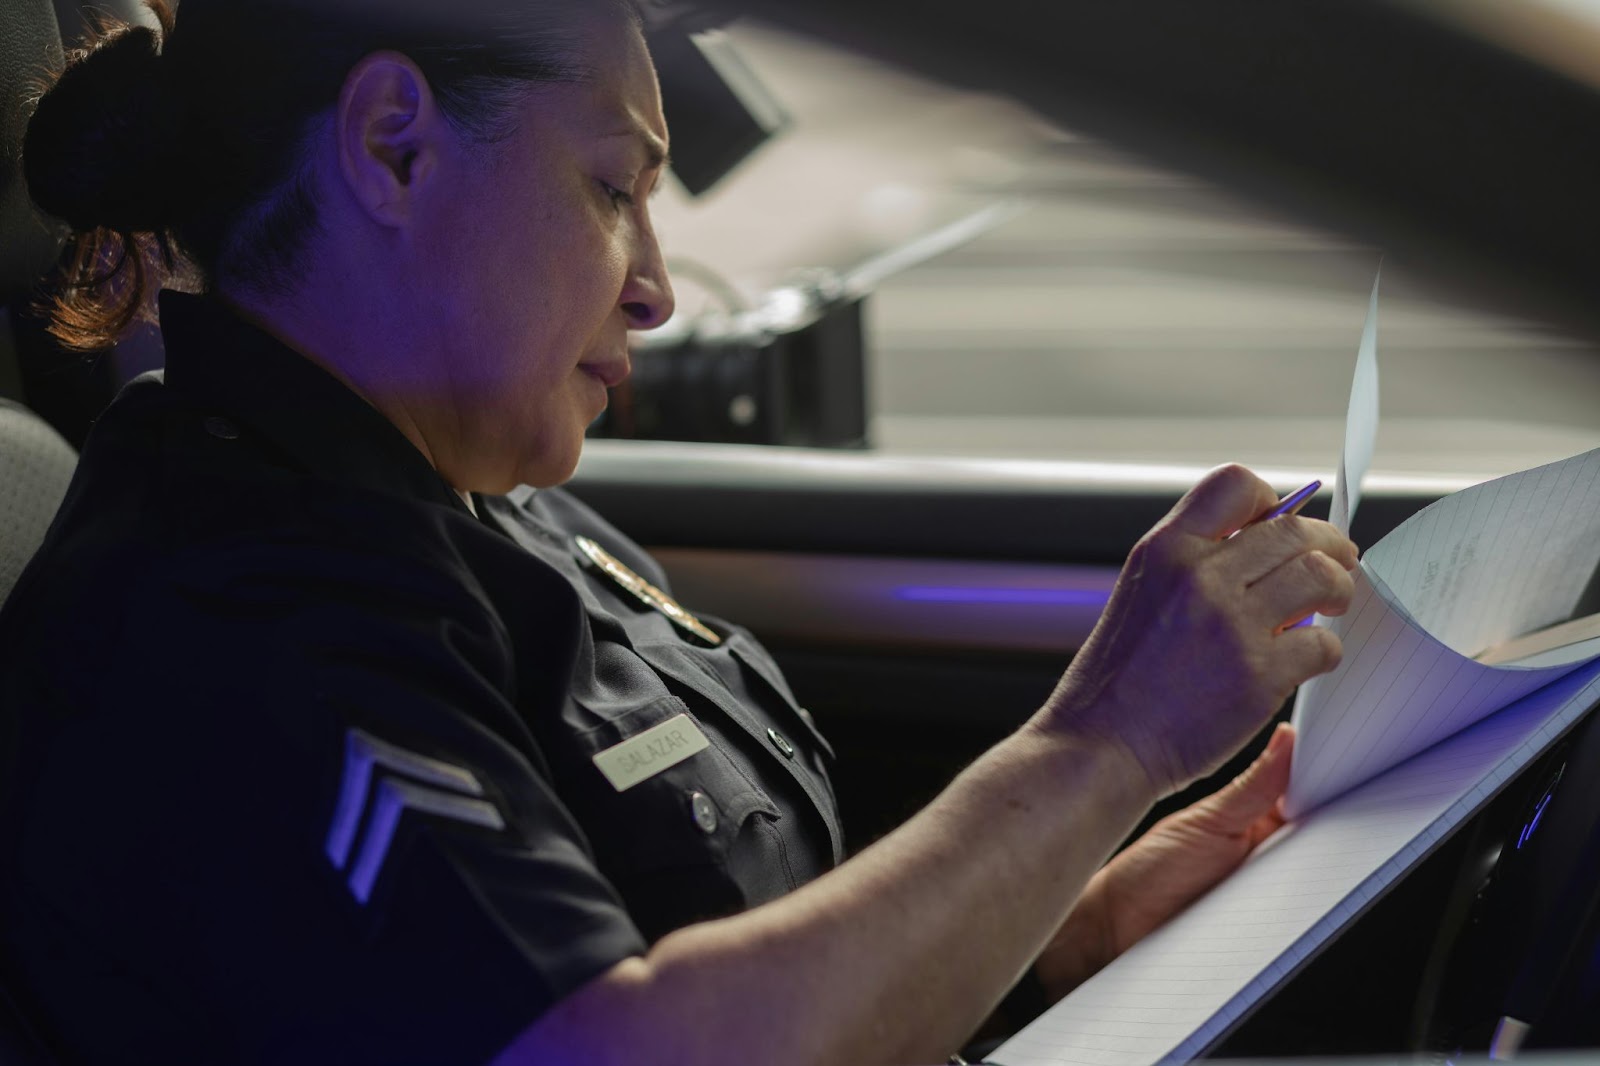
(610, 374)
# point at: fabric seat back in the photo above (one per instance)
(35, 466)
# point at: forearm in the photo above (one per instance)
(1168, 868)
(894, 957)
(898, 954)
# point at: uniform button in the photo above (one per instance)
(704, 811)
(221, 427)
(785, 748)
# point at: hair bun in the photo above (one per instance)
(102, 145)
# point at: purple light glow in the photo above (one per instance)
(1533, 823)
(962, 594)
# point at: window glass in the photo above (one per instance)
(1128, 314)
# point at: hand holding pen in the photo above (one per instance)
(1197, 634)
(1289, 505)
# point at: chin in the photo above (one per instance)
(547, 471)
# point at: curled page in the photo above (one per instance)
(1472, 570)
(1360, 423)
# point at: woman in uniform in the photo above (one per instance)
(331, 739)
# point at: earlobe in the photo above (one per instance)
(386, 131)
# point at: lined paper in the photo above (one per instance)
(1476, 568)
(1181, 989)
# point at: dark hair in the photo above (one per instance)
(180, 155)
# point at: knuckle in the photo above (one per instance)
(1288, 536)
(1344, 585)
(1329, 540)
(1312, 534)
(1284, 537)
(1158, 549)
(1138, 559)
(1245, 482)
(1235, 474)
(1231, 479)
(1329, 647)
(1320, 568)
(1306, 530)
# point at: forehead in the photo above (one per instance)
(619, 91)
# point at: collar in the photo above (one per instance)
(229, 367)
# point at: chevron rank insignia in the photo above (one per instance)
(381, 782)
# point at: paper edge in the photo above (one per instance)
(1375, 886)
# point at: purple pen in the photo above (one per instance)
(1290, 504)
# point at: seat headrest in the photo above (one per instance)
(30, 46)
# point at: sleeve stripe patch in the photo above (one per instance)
(393, 798)
(455, 794)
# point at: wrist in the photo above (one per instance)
(1073, 728)
(1082, 946)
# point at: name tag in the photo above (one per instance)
(656, 749)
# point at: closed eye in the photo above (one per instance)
(619, 198)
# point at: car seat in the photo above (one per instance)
(35, 462)
(35, 466)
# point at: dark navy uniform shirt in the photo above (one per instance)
(300, 754)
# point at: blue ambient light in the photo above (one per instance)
(970, 594)
(1533, 823)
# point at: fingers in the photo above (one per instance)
(1193, 638)
(1239, 806)
(1261, 549)
(1305, 584)
(1223, 502)
(1304, 652)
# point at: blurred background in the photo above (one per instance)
(1112, 309)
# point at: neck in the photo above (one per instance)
(364, 359)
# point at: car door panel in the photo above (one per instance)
(921, 607)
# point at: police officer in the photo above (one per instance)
(330, 743)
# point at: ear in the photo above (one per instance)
(389, 134)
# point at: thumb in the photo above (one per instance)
(1245, 800)
(1224, 501)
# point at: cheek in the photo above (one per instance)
(614, 265)
(594, 254)
(581, 262)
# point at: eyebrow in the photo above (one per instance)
(655, 149)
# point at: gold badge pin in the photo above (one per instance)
(643, 591)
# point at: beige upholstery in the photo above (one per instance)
(35, 466)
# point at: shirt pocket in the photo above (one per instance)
(759, 662)
(677, 839)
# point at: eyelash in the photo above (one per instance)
(619, 198)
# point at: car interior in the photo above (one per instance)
(924, 599)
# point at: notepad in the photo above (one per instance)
(1185, 986)
(1471, 571)
(1400, 744)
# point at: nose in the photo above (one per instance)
(647, 299)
